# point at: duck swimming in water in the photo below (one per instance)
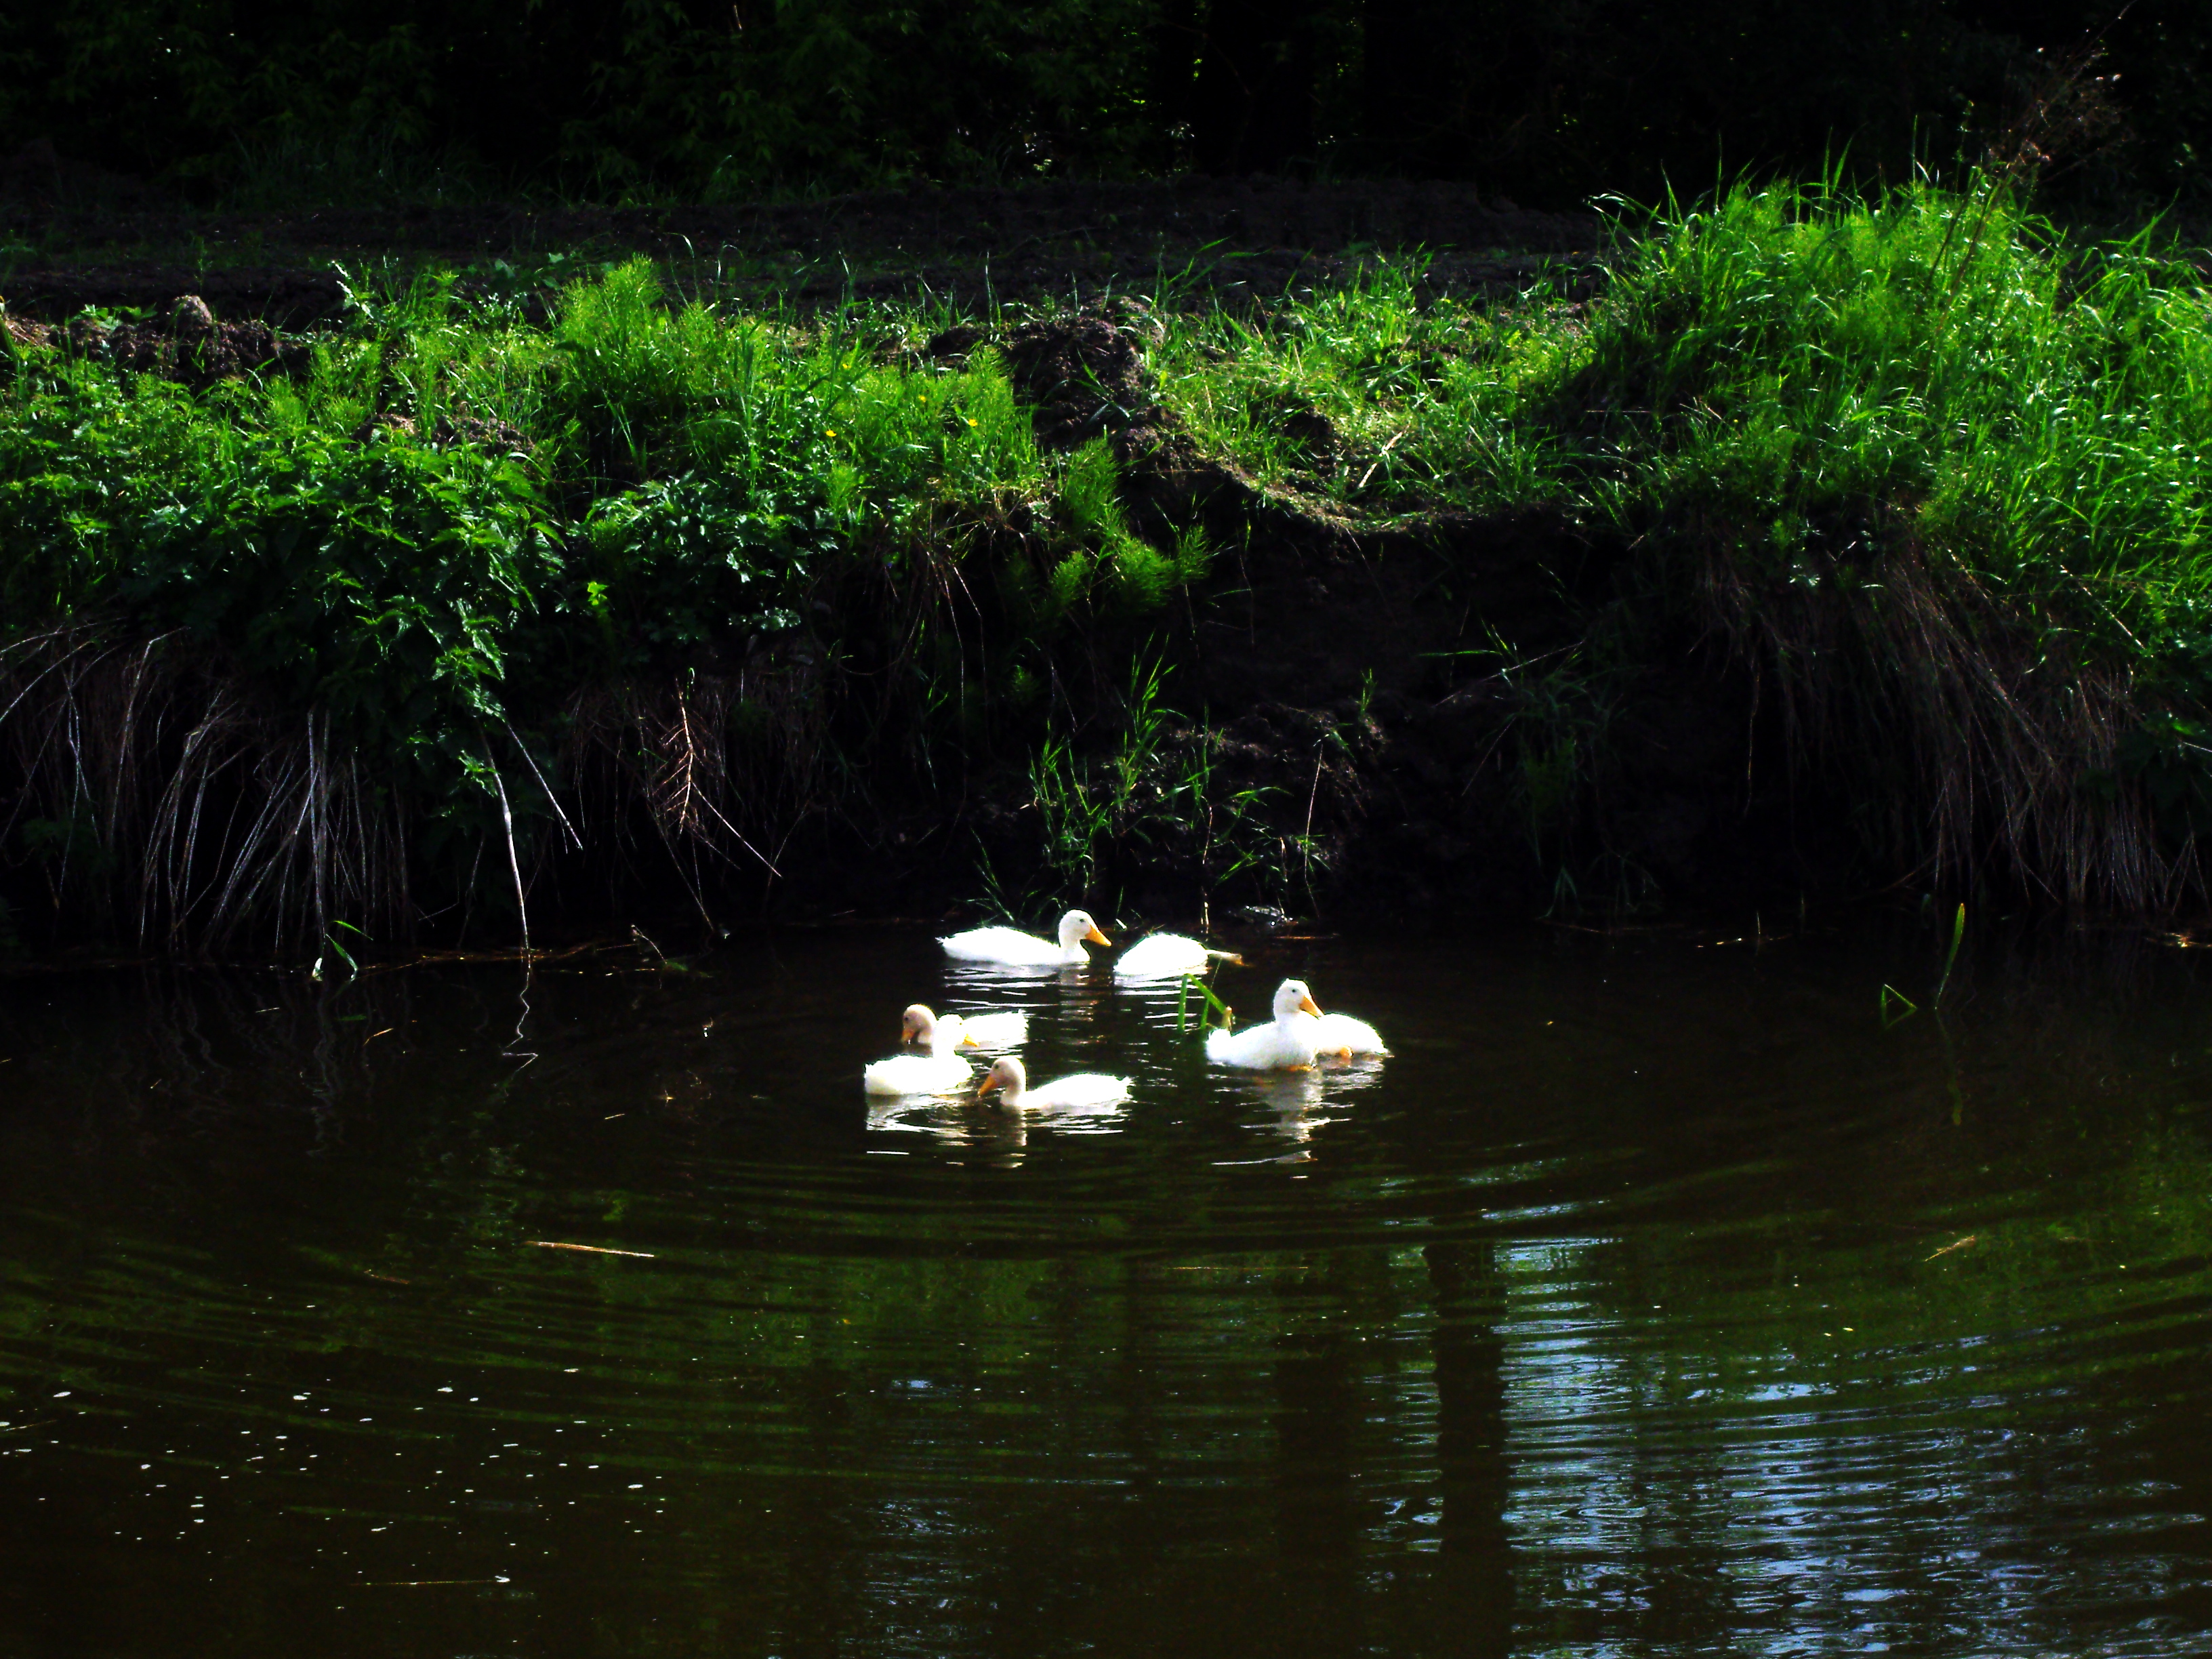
(1010, 947)
(940, 1071)
(1085, 1089)
(995, 1030)
(1287, 1041)
(1166, 956)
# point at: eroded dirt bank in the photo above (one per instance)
(1410, 715)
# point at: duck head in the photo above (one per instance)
(1076, 927)
(1007, 1077)
(1292, 1000)
(919, 1026)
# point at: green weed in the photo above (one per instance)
(1951, 956)
(1158, 796)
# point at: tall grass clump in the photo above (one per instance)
(1941, 473)
(347, 646)
(1937, 470)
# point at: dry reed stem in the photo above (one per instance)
(179, 801)
(1918, 687)
(189, 810)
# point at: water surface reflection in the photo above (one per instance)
(1668, 1303)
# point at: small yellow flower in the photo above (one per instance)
(971, 420)
(829, 432)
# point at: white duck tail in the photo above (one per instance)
(1167, 955)
(1340, 1034)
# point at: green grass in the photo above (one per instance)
(1158, 796)
(1780, 363)
(1936, 470)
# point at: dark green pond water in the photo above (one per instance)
(1651, 1299)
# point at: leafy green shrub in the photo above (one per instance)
(454, 526)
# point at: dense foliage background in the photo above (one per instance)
(248, 100)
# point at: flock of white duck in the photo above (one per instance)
(1297, 1036)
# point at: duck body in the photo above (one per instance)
(1076, 1093)
(1166, 956)
(1285, 1043)
(998, 1030)
(1009, 947)
(935, 1073)
(1268, 1047)
(1086, 1091)
(1340, 1034)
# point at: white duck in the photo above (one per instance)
(1340, 1034)
(940, 1071)
(1167, 955)
(1285, 1042)
(1083, 1090)
(999, 1030)
(1011, 948)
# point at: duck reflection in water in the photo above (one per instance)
(999, 1138)
(1303, 1100)
(917, 1114)
(1068, 996)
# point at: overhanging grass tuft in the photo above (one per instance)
(1937, 469)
